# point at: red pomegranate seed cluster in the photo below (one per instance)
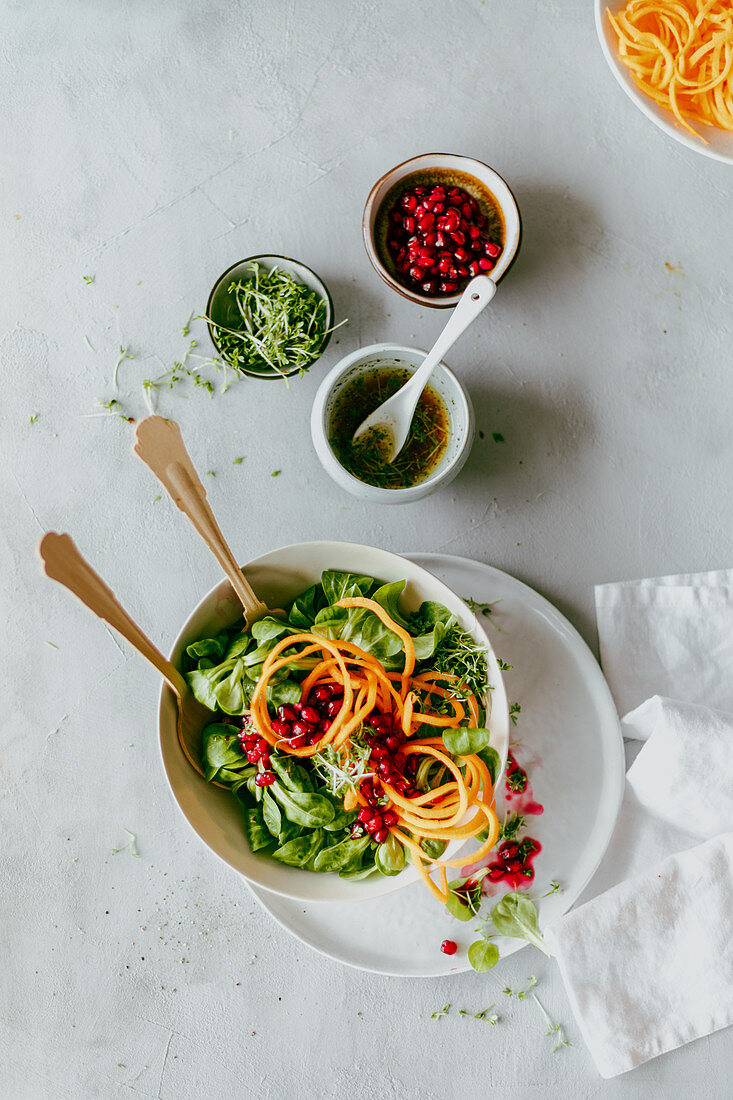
(374, 821)
(305, 723)
(389, 762)
(437, 238)
(257, 751)
(514, 860)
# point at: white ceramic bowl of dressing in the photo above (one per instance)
(455, 399)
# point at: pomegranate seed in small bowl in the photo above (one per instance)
(439, 201)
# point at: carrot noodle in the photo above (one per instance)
(460, 807)
(680, 54)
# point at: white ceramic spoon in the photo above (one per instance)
(394, 416)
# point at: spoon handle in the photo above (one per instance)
(158, 442)
(63, 563)
(474, 299)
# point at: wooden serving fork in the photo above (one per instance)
(63, 563)
(158, 442)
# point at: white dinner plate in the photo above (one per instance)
(571, 745)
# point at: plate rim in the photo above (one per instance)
(565, 628)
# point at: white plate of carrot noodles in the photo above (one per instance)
(674, 58)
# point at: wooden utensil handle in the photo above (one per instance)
(63, 563)
(158, 442)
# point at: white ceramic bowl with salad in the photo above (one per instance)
(456, 404)
(215, 814)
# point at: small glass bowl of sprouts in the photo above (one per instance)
(270, 317)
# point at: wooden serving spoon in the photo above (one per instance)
(158, 442)
(63, 563)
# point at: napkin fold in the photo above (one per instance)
(647, 956)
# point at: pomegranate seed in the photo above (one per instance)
(333, 708)
(381, 835)
(364, 815)
(439, 240)
(411, 765)
(474, 232)
(302, 729)
(466, 210)
(419, 190)
(374, 822)
(426, 222)
(324, 725)
(431, 239)
(513, 866)
(390, 818)
(296, 742)
(495, 876)
(486, 265)
(479, 220)
(458, 236)
(392, 743)
(417, 274)
(429, 287)
(408, 224)
(454, 200)
(463, 272)
(509, 849)
(438, 207)
(378, 752)
(287, 713)
(492, 249)
(474, 268)
(449, 947)
(409, 202)
(310, 715)
(265, 779)
(322, 693)
(253, 756)
(357, 831)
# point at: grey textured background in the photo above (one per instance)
(151, 146)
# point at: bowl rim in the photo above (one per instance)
(273, 376)
(356, 485)
(370, 244)
(669, 126)
(497, 692)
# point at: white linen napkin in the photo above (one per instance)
(648, 965)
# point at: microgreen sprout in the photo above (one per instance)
(238, 461)
(88, 279)
(511, 826)
(493, 1019)
(281, 323)
(88, 343)
(341, 769)
(521, 994)
(131, 845)
(187, 327)
(124, 354)
(210, 473)
(473, 605)
(497, 437)
(514, 712)
(440, 1013)
(503, 665)
(52, 644)
(554, 889)
(276, 473)
(32, 419)
(555, 1030)
(111, 408)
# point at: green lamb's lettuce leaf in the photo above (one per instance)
(360, 626)
(311, 810)
(340, 586)
(344, 856)
(390, 857)
(301, 850)
(271, 814)
(223, 758)
(516, 915)
(254, 826)
(388, 596)
(211, 648)
(483, 955)
(305, 607)
(292, 775)
(466, 742)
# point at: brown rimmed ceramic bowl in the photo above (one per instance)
(481, 181)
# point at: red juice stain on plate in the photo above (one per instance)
(518, 793)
